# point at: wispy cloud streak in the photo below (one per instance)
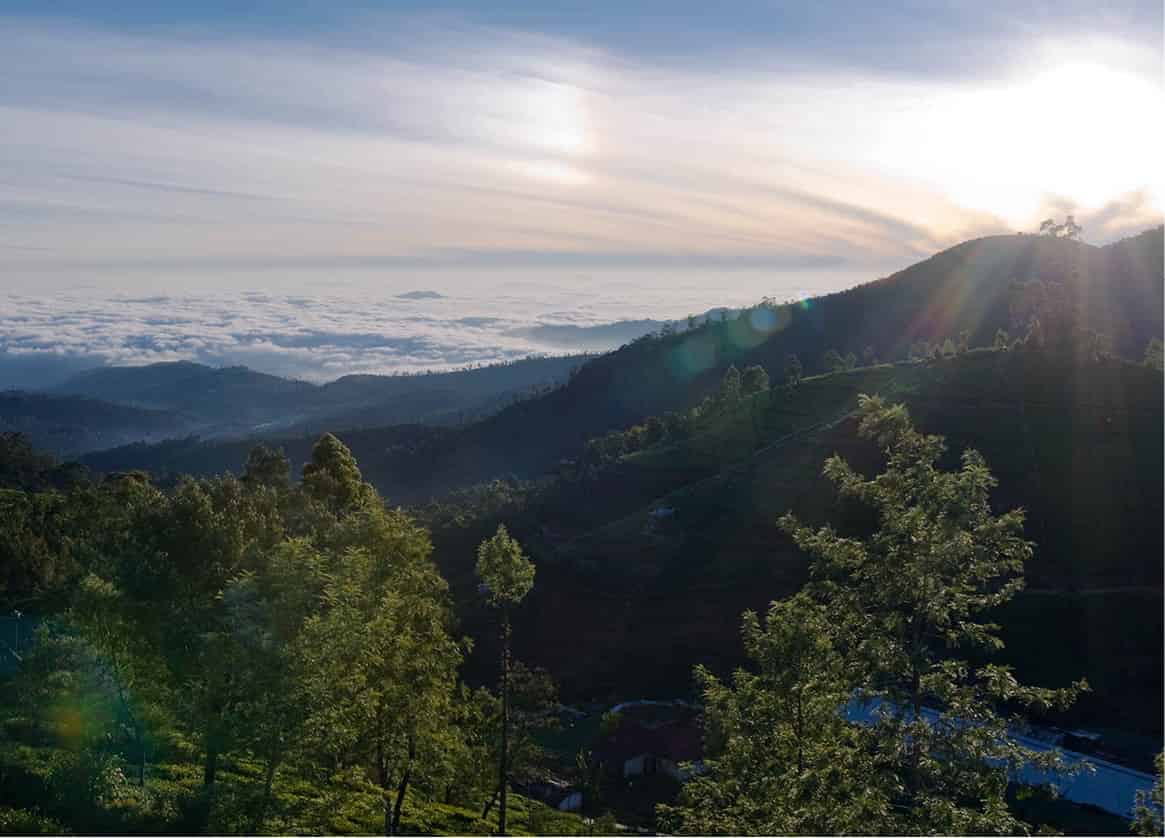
(173, 148)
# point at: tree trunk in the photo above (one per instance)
(140, 745)
(382, 781)
(800, 736)
(210, 767)
(268, 782)
(489, 804)
(504, 768)
(403, 786)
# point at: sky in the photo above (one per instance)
(586, 162)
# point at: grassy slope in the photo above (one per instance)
(638, 603)
(298, 805)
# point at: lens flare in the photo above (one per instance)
(694, 355)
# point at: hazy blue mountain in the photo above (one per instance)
(69, 425)
(184, 397)
(219, 395)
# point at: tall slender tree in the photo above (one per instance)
(506, 576)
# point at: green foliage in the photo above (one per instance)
(779, 757)
(379, 662)
(533, 698)
(303, 631)
(731, 386)
(793, 370)
(267, 626)
(902, 597)
(24, 467)
(1147, 810)
(173, 802)
(23, 822)
(754, 379)
(332, 476)
(267, 466)
(507, 576)
(832, 361)
(655, 431)
(504, 569)
(33, 559)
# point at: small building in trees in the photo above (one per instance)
(555, 793)
(640, 748)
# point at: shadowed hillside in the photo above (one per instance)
(70, 425)
(113, 406)
(1079, 447)
(1116, 289)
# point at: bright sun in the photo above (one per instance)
(1081, 131)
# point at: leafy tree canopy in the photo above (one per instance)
(755, 379)
(504, 569)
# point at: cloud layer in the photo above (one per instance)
(326, 333)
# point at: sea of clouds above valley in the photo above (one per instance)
(357, 325)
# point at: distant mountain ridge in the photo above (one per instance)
(71, 425)
(967, 288)
(185, 386)
(112, 406)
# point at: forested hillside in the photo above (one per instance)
(669, 544)
(599, 419)
(236, 656)
(965, 294)
(643, 556)
(229, 394)
(295, 647)
(71, 425)
(239, 396)
(114, 406)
